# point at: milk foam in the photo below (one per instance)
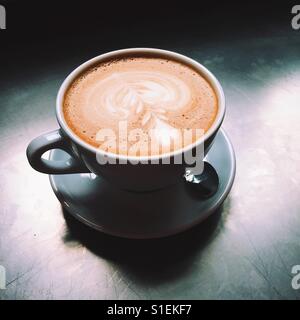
(151, 94)
(122, 93)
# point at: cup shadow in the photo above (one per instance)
(150, 261)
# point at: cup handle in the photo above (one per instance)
(46, 142)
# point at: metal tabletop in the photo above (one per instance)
(246, 250)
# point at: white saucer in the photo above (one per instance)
(161, 213)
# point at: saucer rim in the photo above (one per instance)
(180, 229)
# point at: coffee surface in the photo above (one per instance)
(140, 105)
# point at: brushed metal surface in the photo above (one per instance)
(244, 251)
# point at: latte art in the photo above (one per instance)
(158, 99)
(135, 92)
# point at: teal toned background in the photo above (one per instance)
(247, 249)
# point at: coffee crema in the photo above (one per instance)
(140, 105)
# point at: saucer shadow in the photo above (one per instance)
(152, 260)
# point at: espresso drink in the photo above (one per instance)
(140, 105)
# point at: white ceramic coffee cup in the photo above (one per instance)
(136, 177)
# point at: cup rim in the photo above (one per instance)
(161, 52)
